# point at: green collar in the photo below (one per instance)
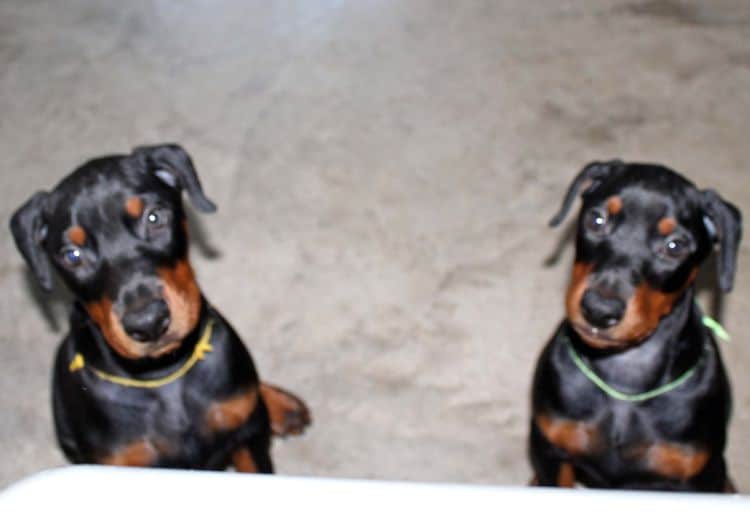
(707, 321)
(715, 327)
(627, 397)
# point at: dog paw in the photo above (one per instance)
(288, 413)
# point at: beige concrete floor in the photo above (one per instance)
(384, 172)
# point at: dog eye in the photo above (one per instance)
(157, 218)
(71, 256)
(595, 221)
(676, 247)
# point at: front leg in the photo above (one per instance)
(288, 413)
(552, 466)
(284, 412)
(556, 442)
(255, 456)
(245, 415)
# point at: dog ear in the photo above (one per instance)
(588, 178)
(29, 230)
(724, 223)
(172, 165)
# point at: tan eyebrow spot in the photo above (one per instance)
(77, 235)
(667, 225)
(134, 207)
(614, 205)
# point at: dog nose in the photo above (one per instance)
(600, 310)
(147, 323)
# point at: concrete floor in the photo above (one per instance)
(384, 172)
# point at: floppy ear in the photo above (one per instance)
(29, 231)
(726, 220)
(588, 178)
(171, 164)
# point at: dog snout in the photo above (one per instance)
(601, 309)
(147, 323)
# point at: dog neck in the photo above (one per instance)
(674, 347)
(90, 342)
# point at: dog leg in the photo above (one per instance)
(288, 413)
(550, 467)
(254, 456)
(243, 461)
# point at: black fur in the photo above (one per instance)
(122, 265)
(623, 255)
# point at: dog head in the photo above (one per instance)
(643, 232)
(116, 233)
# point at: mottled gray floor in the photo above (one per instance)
(384, 171)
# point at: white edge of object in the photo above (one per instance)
(112, 491)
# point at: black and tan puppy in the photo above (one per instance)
(150, 374)
(631, 391)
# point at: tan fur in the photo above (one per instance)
(575, 438)
(243, 461)
(134, 207)
(138, 454)
(231, 413)
(643, 312)
(77, 235)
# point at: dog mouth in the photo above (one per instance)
(157, 347)
(167, 343)
(597, 337)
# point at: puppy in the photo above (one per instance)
(150, 373)
(631, 392)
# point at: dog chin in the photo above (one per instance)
(169, 342)
(598, 338)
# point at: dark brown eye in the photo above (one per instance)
(676, 247)
(595, 221)
(157, 218)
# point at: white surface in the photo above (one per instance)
(114, 491)
(384, 172)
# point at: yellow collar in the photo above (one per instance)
(201, 349)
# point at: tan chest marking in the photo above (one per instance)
(674, 461)
(141, 453)
(231, 413)
(574, 437)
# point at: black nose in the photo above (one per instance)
(600, 310)
(147, 323)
